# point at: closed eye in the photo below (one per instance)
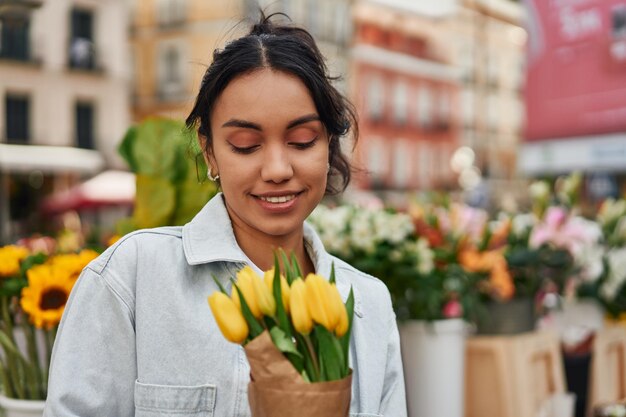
(304, 145)
(244, 150)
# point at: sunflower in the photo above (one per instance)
(45, 296)
(10, 258)
(73, 263)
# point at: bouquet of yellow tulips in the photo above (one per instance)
(296, 333)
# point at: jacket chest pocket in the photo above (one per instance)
(170, 400)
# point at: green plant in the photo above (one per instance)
(169, 190)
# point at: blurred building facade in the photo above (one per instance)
(489, 47)
(406, 90)
(575, 99)
(172, 43)
(64, 97)
(432, 76)
(330, 23)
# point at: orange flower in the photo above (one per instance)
(501, 281)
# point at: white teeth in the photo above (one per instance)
(278, 199)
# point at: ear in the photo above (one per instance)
(207, 152)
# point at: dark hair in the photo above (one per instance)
(291, 50)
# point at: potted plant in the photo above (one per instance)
(428, 291)
(34, 288)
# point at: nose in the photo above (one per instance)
(277, 166)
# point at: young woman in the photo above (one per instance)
(137, 337)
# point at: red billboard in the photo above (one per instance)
(576, 78)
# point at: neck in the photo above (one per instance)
(260, 247)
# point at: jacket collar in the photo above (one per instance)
(209, 237)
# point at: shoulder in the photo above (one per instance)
(132, 247)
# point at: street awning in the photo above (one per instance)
(49, 159)
(601, 153)
(109, 188)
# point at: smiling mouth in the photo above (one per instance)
(278, 199)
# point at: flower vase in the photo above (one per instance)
(506, 318)
(21, 408)
(433, 354)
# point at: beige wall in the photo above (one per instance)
(206, 25)
(53, 88)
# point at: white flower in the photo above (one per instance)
(617, 273)
(426, 257)
(539, 190)
(522, 223)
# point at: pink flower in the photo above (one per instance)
(563, 231)
(452, 309)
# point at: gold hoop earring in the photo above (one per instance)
(211, 177)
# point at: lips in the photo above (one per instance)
(278, 199)
(278, 202)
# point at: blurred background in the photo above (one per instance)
(479, 120)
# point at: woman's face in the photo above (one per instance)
(271, 152)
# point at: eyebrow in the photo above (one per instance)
(255, 126)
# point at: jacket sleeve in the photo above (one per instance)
(393, 403)
(93, 367)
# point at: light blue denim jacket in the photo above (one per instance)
(138, 338)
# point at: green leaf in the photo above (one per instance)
(295, 266)
(289, 273)
(155, 148)
(332, 273)
(255, 327)
(330, 354)
(345, 339)
(12, 286)
(308, 360)
(281, 314)
(283, 342)
(191, 196)
(219, 284)
(125, 149)
(154, 202)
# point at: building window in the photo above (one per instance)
(423, 164)
(400, 102)
(376, 159)
(170, 70)
(444, 116)
(400, 164)
(424, 107)
(171, 12)
(82, 52)
(17, 120)
(14, 38)
(85, 126)
(375, 99)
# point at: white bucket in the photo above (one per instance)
(21, 408)
(433, 354)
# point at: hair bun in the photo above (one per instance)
(265, 26)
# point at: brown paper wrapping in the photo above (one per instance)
(277, 390)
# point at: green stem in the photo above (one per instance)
(6, 380)
(35, 380)
(12, 359)
(316, 366)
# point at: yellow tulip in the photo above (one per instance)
(284, 287)
(228, 317)
(245, 283)
(300, 316)
(264, 297)
(342, 323)
(319, 300)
